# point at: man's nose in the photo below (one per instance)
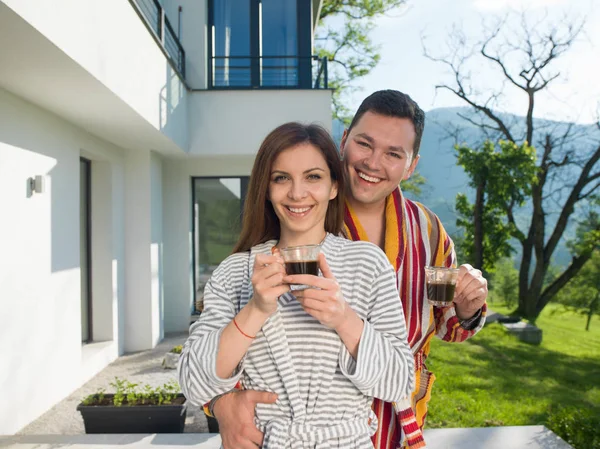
(373, 162)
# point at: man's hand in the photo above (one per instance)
(235, 413)
(471, 292)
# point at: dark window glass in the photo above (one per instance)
(231, 39)
(217, 209)
(279, 25)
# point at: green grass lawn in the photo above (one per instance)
(495, 380)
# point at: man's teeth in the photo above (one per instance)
(299, 211)
(368, 178)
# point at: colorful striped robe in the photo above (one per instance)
(414, 238)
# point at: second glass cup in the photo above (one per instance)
(441, 283)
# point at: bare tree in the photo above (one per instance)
(568, 172)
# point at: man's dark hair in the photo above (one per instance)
(393, 103)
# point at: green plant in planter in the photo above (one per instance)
(129, 393)
(177, 349)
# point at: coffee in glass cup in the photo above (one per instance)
(301, 259)
(441, 284)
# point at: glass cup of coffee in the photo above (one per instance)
(441, 283)
(301, 259)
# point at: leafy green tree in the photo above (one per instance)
(568, 163)
(414, 185)
(500, 174)
(505, 282)
(582, 291)
(343, 37)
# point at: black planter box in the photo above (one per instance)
(213, 425)
(167, 418)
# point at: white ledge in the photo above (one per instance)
(518, 437)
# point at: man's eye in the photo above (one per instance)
(395, 155)
(364, 144)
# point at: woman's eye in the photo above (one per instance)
(279, 178)
(314, 177)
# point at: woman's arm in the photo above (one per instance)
(384, 365)
(210, 363)
(237, 337)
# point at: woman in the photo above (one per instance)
(326, 350)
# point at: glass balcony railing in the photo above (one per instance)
(154, 16)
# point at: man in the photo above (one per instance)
(380, 149)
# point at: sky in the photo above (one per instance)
(575, 97)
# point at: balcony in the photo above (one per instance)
(156, 20)
(268, 72)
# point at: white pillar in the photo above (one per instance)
(142, 278)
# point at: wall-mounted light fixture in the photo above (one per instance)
(37, 184)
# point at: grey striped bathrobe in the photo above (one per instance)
(324, 394)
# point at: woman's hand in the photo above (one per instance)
(325, 302)
(267, 282)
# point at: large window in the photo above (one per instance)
(259, 43)
(217, 209)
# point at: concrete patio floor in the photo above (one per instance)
(140, 367)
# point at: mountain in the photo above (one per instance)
(445, 179)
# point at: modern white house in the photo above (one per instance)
(128, 129)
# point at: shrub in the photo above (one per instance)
(577, 426)
(177, 349)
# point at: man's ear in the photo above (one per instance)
(410, 170)
(343, 142)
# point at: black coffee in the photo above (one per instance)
(440, 292)
(302, 267)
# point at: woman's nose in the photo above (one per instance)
(297, 191)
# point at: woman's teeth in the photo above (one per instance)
(299, 211)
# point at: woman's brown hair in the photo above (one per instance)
(260, 222)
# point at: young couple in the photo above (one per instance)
(342, 363)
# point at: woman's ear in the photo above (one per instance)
(334, 190)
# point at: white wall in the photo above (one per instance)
(177, 228)
(109, 40)
(193, 37)
(235, 122)
(40, 333)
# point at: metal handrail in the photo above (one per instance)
(286, 73)
(156, 20)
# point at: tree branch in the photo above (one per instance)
(574, 267)
(569, 207)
